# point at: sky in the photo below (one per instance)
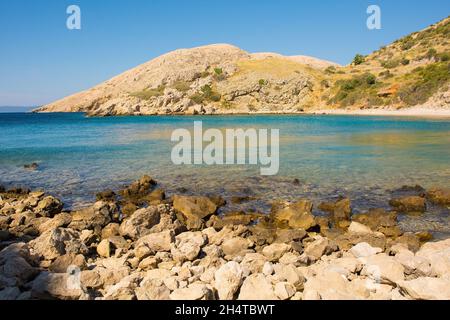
(41, 60)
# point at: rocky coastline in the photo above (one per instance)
(137, 244)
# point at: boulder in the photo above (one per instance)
(275, 251)
(297, 215)
(439, 196)
(93, 218)
(228, 279)
(105, 248)
(356, 227)
(426, 288)
(194, 209)
(139, 188)
(152, 289)
(67, 261)
(319, 247)
(438, 254)
(342, 210)
(290, 274)
(412, 204)
(187, 246)
(284, 290)
(364, 250)
(49, 206)
(57, 242)
(61, 220)
(254, 262)
(61, 286)
(257, 287)
(195, 291)
(236, 246)
(378, 220)
(383, 269)
(156, 242)
(140, 223)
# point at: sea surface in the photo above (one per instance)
(364, 158)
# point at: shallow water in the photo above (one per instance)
(364, 158)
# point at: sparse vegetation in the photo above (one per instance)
(426, 82)
(262, 82)
(149, 93)
(330, 70)
(206, 94)
(359, 59)
(182, 86)
(218, 74)
(390, 64)
(355, 89)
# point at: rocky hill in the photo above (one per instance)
(413, 71)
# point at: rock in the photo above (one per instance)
(438, 254)
(236, 246)
(111, 230)
(345, 241)
(319, 247)
(296, 216)
(228, 279)
(91, 279)
(105, 248)
(140, 223)
(11, 293)
(267, 269)
(57, 242)
(107, 195)
(439, 196)
(356, 227)
(257, 287)
(139, 188)
(124, 289)
(253, 262)
(156, 242)
(290, 274)
(56, 286)
(33, 167)
(413, 265)
(284, 290)
(411, 204)
(49, 206)
(275, 251)
(289, 235)
(194, 209)
(383, 269)
(193, 292)
(364, 250)
(148, 263)
(328, 286)
(187, 246)
(410, 240)
(379, 220)
(152, 289)
(93, 218)
(342, 210)
(156, 196)
(426, 288)
(61, 220)
(65, 262)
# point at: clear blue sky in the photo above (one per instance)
(41, 60)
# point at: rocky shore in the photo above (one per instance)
(137, 244)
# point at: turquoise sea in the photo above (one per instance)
(365, 158)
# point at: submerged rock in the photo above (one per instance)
(413, 204)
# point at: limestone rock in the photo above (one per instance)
(140, 223)
(364, 250)
(228, 280)
(409, 204)
(297, 215)
(257, 287)
(275, 251)
(427, 288)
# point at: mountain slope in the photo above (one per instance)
(225, 79)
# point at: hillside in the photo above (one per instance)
(215, 79)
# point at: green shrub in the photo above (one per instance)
(428, 81)
(386, 74)
(354, 89)
(330, 70)
(407, 43)
(218, 74)
(262, 82)
(359, 59)
(405, 61)
(444, 57)
(206, 94)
